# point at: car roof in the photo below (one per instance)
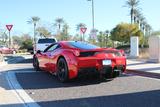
(67, 44)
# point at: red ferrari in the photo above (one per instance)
(68, 59)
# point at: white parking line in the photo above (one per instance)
(23, 97)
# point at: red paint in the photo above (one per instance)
(48, 60)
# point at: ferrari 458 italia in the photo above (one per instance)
(69, 59)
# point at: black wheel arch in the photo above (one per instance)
(61, 56)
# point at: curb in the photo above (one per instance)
(3, 63)
(23, 97)
(144, 73)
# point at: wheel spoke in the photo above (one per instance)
(62, 70)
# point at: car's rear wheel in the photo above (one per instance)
(62, 72)
(36, 64)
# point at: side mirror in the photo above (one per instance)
(39, 52)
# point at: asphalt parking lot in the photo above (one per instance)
(127, 90)
(124, 91)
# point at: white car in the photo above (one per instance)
(43, 43)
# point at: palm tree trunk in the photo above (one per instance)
(135, 18)
(59, 27)
(132, 16)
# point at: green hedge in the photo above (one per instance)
(128, 46)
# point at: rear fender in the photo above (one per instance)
(119, 61)
(72, 63)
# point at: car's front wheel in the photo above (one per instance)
(62, 72)
(36, 63)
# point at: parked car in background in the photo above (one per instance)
(68, 59)
(42, 43)
(6, 50)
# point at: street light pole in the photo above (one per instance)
(92, 13)
(107, 33)
(9, 44)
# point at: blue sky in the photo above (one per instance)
(108, 13)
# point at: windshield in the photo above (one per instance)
(46, 41)
(83, 45)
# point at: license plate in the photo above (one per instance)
(106, 62)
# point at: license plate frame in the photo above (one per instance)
(106, 62)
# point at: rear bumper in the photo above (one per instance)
(88, 71)
(107, 71)
(112, 72)
(93, 65)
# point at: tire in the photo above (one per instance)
(36, 64)
(62, 72)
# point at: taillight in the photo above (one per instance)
(76, 52)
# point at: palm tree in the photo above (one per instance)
(43, 32)
(79, 26)
(107, 35)
(133, 5)
(142, 22)
(137, 15)
(65, 28)
(4, 36)
(34, 20)
(148, 29)
(59, 22)
(65, 31)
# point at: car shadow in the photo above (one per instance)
(43, 80)
(12, 59)
(16, 59)
(29, 60)
(137, 99)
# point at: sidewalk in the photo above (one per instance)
(142, 66)
(8, 95)
(9, 98)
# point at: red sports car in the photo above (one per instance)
(68, 59)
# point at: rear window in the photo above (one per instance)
(46, 41)
(116, 53)
(83, 45)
